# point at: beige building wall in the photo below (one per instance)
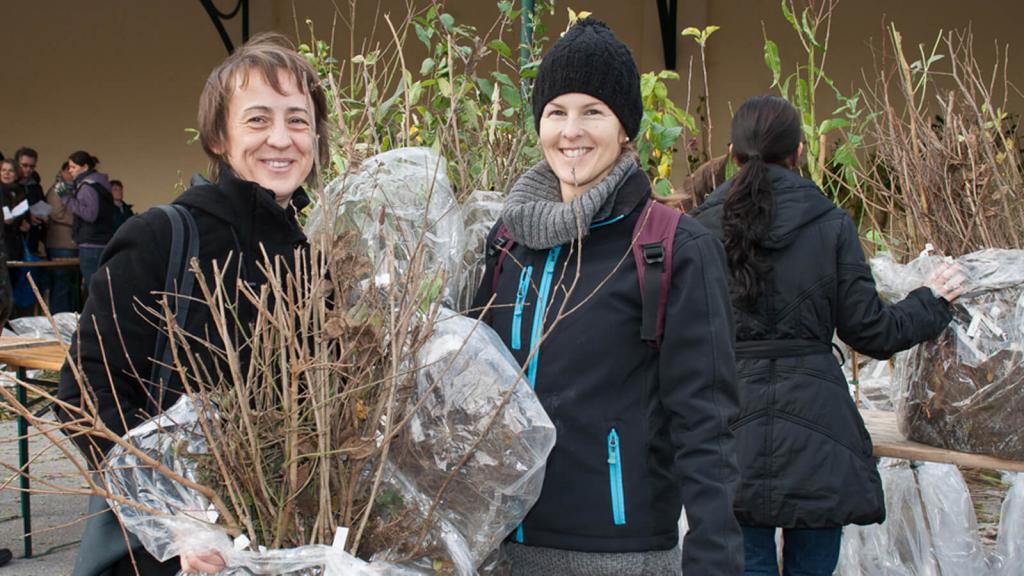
(121, 78)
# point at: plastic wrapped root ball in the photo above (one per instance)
(965, 390)
(169, 518)
(480, 211)
(401, 205)
(462, 472)
(470, 464)
(930, 526)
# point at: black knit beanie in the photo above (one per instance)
(589, 59)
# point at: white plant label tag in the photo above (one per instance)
(340, 538)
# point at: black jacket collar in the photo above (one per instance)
(240, 202)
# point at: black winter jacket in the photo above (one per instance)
(639, 432)
(232, 217)
(805, 457)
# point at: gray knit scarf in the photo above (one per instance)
(536, 215)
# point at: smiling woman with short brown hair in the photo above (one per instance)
(263, 119)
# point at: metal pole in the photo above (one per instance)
(26, 502)
(525, 33)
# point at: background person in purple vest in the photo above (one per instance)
(93, 206)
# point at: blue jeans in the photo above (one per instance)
(810, 552)
(88, 263)
(64, 289)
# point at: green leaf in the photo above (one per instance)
(448, 21)
(415, 91)
(486, 87)
(803, 94)
(500, 47)
(831, 124)
(504, 79)
(660, 91)
(444, 87)
(662, 187)
(708, 31)
(511, 95)
(427, 66)
(382, 110)
(789, 15)
(424, 34)
(668, 138)
(668, 75)
(691, 31)
(771, 58)
(784, 89)
(808, 33)
(647, 84)
(876, 238)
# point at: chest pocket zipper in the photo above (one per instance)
(615, 478)
(517, 313)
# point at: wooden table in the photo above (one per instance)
(51, 263)
(888, 441)
(24, 354)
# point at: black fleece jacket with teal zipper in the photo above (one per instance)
(641, 431)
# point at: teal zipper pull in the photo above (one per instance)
(517, 313)
(615, 479)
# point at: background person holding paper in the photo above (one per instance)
(27, 159)
(64, 291)
(15, 206)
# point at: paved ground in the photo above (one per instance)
(55, 542)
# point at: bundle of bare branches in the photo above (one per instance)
(355, 412)
(945, 167)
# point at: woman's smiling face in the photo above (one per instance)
(582, 139)
(8, 172)
(269, 137)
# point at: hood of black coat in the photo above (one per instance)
(798, 202)
(234, 201)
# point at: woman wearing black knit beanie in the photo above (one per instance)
(617, 307)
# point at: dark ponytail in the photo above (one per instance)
(83, 158)
(765, 130)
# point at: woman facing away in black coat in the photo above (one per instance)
(798, 275)
(263, 120)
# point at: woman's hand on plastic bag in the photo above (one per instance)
(948, 281)
(205, 562)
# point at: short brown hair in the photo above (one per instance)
(268, 53)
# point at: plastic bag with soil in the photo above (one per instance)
(480, 211)
(930, 526)
(463, 472)
(965, 390)
(401, 206)
(1009, 559)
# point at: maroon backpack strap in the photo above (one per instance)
(653, 237)
(503, 243)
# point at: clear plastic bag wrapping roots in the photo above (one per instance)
(965, 390)
(930, 527)
(480, 211)
(401, 206)
(40, 327)
(488, 460)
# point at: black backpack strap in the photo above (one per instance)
(178, 285)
